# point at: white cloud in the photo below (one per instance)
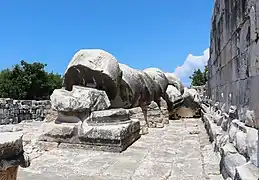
(190, 64)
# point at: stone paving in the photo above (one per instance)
(178, 151)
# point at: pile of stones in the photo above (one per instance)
(106, 105)
(236, 142)
(15, 111)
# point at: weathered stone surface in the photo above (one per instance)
(76, 105)
(202, 91)
(15, 111)
(107, 130)
(233, 66)
(116, 137)
(164, 111)
(10, 144)
(136, 113)
(173, 94)
(236, 144)
(250, 119)
(174, 81)
(94, 68)
(253, 145)
(80, 99)
(11, 155)
(150, 86)
(240, 142)
(190, 106)
(110, 116)
(61, 132)
(9, 128)
(154, 116)
(246, 172)
(229, 164)
(160, 79)
(51, 116)
(132, 88)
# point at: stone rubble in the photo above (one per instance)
(236, 143)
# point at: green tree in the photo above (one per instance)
(199, 78)
(28, 81)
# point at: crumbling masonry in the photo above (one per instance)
(231, 111)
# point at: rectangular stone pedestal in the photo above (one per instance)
(115, 137)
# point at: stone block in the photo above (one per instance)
(221, 140)
(80, 99)
(110, 116)
(229, 164)
(10, 144)
(233, 130)
(240, 142)
(62, 132)
(253, 145)
(154, 118)
(107, 130)
(113, 137)
(248, 171)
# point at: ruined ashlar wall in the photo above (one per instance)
(15, 111)
(234, 56)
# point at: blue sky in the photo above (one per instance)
(140, 33)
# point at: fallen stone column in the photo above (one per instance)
(94, 68)
(160, 86)
(183, 106)
(175, 81)
(11, 155)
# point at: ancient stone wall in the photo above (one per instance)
(232, 113)
(15, 111)
(234, 56)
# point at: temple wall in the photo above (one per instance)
(234, 56)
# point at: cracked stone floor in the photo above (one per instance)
(179, 151)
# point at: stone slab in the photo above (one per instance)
(247, 171)
(110, 116)
(10, 144)
(61, 132)
(116, 137)
(112, 137)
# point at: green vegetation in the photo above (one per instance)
(28, 81)
(199, 78)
